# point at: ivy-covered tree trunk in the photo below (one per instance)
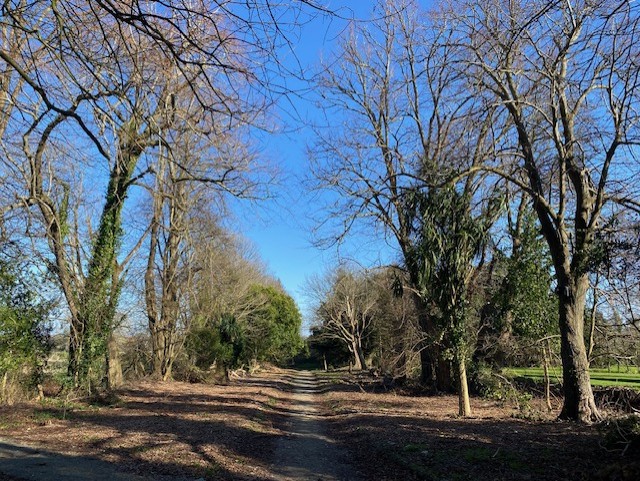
(455, 316)
(451, 237)
(100, 294)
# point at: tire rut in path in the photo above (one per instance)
(306, 453)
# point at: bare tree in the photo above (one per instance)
(400, 131)
(168, 273)
(395, 325)
(565, 76)
(385, 121)
(96, 71)
(194, 172)
(126, 115)
(345, 309)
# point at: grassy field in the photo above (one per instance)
(599, 377)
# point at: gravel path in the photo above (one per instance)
(306, 453)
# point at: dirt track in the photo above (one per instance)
(285, 424)
(305, 452)
(266, 427)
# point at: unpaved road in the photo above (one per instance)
(306, 453)
(273, 426)
(270, 427)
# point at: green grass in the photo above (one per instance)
(8, 424)
(599, 377)
(46, 417)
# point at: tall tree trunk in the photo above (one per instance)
(464, 406)
(163, 313)
(579, 403)
(101, 292)
(153, 316)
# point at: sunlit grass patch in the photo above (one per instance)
(625, 377)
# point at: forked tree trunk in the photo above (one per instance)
(162, 353)
(358, 364)
(167, 236)
(579, 403)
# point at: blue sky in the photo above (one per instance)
(281, 229)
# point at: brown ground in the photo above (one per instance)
(234, 432)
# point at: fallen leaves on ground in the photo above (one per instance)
(229, 432)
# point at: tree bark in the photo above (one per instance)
(427, 367)
(114, 367)
(547, 381)
(579, 403)
(464, 406)
(434, 370)
(358, 357)
(361, 356)
(99, 297)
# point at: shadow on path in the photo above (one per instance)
(306, 453)
(19, 462)
(273, 423)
